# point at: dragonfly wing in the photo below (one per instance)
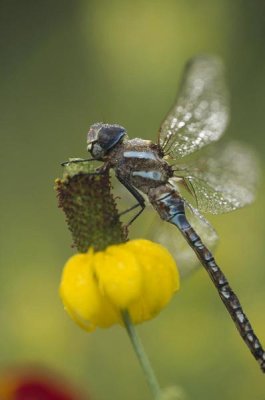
(224, 180)
(167, 234)
(200, 114)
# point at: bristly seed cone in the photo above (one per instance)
(90, 209)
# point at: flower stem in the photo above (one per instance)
(141, 355)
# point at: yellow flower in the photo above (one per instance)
(139, 276)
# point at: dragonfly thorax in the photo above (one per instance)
(138, 163)
(103, 137)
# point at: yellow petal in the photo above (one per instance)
(81, 296)
(119, 274)
(161, 278)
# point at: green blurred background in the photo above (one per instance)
(64, 65)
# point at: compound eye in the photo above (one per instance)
(97, 151)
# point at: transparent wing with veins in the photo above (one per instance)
(223, 179)
(200, 114)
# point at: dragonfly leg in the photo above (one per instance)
(78, 160)
(103, 169)
(137, 196)
(129, 209)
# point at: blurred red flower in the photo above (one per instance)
(36, 384)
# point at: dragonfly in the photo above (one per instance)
(215, 181)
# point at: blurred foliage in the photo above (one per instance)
(65, 65)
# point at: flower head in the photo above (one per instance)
(138, 276)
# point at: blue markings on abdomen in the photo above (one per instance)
(180, 221)
(172, 209)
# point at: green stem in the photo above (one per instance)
(141, 355)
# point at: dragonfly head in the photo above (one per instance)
(103, 137)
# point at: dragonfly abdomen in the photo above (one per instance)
(227, 295)
(170, 207)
